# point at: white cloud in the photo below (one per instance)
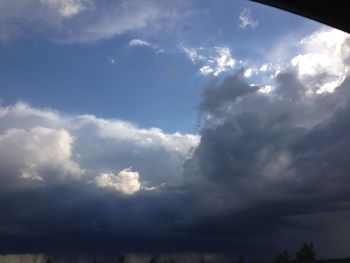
(264, 67)
(126, 181)
(214, 61)
(224, 60)
(36, 152)
(321, 61)
(206, 70)
(246, 20)
(138, 42)
(193, 54)
(160, 50)
(47, 145)
(66, 8)
(142, 138)
(248, 73)
(152, 188)
(322, 53)
(265, 89)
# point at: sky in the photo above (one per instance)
(172, 126)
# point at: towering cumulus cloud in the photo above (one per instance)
(274, 163)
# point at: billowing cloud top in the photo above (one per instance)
(46, 144)
(274, 162)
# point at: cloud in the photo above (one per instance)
(275, 156)
(193, 54)
(217, 99)
(271, 152)
(138, 42)
(320, 60)
(111, 60)
(37, 151)
(246, 20)
(80, 21)
(215, 61)
(270, 163)
(62, 173)
(206, 70)
(224, 61)
(323, 52)
(66, 8)
(141, 43)
(126, 181)
(45, 140)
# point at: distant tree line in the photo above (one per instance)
(305, 254)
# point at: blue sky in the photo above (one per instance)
(172, 126)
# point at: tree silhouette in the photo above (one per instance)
(282, 257)
(48, 260)
(202, 260)
(121, 259)
(240, 259)
(153, 260)
(306, 252)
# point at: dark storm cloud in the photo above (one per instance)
(76, 218)
(216, 97)
(267, 162)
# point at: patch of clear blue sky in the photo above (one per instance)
(149, 89)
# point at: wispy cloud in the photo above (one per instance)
(67, 8)
(138, 42)
(142, 43)
(194, 54)
(246, 20)
(111, 60)
(79, 21)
